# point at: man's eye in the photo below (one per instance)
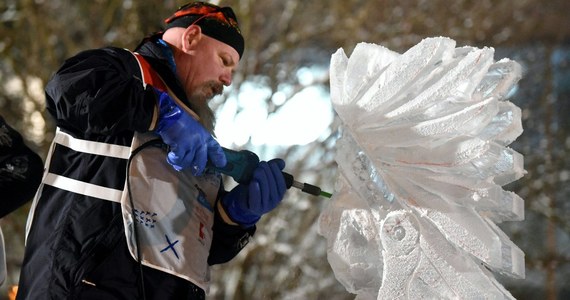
(226, 61)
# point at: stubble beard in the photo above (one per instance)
(207, 117)
(199, 104)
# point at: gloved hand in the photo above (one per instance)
(246, 203)
(191, 145)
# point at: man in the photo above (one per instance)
(129, 207)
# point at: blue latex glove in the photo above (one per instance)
(191, 145)
(246, 203)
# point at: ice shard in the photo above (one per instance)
(423, 159)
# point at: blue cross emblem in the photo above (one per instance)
(170, 246)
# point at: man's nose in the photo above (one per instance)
(226, 78)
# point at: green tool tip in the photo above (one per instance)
(325, 194)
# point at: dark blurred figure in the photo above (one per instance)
(21, 170)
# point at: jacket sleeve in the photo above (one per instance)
(100, 92)
(21, 170)
(228, 240)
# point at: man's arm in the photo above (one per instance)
(100, 92)
(228, 239)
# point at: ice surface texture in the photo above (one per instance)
(422, 160)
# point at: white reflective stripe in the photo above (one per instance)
(91, 147)
(83, 188)
(3, 271)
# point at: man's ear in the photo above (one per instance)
(190, 38)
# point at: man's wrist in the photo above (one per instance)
(224, 215)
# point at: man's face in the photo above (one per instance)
(205, 73)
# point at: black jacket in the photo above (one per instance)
(20, 170)
(76, 246)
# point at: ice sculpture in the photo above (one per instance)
(422, 160)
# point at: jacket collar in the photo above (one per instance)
(162, 62)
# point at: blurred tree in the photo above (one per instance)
(287, 259)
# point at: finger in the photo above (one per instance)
(174, 161)
(271, 187)
(277, 175)
(261, 175)
(216, 154)
(254, 195)
(199, 159)
(280, 163)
